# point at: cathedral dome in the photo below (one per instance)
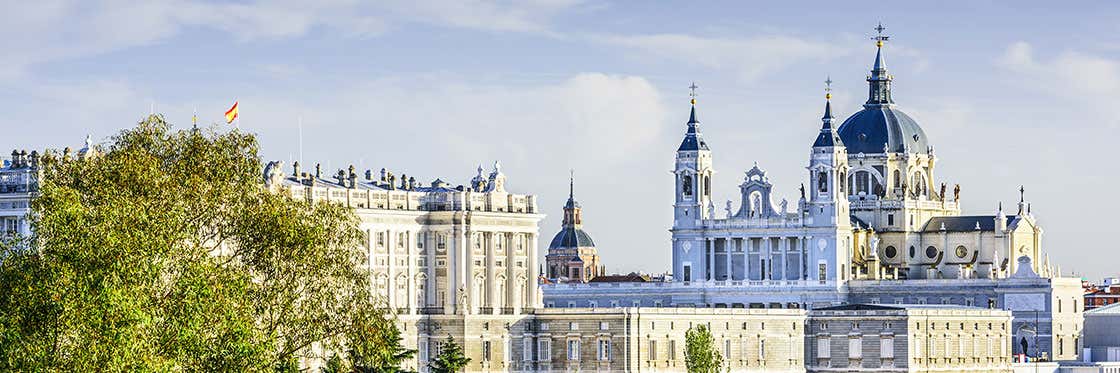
(879, 128)
(571, 234)
(571, 237)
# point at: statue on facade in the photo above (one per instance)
(941, 193)
(802, 189)
(956, 193)
(728, 209)
(462, 302)
(785, 205)
(273, 175)
(756, 206)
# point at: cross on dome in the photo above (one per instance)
(692, 92)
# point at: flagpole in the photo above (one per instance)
(301, 139)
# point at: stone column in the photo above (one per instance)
(410, 282)
(455, 270)
(727, 251)
(469, 243)
(711, 246)
(784, 246)
(531, 285)
(491, 248)
(766, 270)
(809, 253)
(430, 242)
(511, 301)
(389, 248)
(748, 243)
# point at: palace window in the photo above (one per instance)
(527, 349)
(485, 350)
(824, 348)
(604, 350)
(855, 348)
(653, 350)
(544, 349)
(573, 349)
(886, 348)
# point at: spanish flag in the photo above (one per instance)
(231, 114)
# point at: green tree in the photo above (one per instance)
(700, 354)
(166, 252)
(450, 359)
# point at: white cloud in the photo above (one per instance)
(1070, 75)
(52, 30)
(750, 58)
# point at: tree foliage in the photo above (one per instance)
(451, 358)
(166, 252)
(700, 354)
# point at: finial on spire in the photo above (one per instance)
(571, 183)
(692, 92)
(1022, 191)
(880, 38)
(828, 88)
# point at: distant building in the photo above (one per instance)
(572, 256)
(631, 277)
(1105, 294)
(19, 183)
(1102, 333)
(908, 338)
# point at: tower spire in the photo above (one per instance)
(828, 135)
(828, 100)
(572, 184)
(692, 139)
(879, 82)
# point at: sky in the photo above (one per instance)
(1008, 96)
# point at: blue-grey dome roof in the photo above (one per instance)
(879, 127)
(571, 237)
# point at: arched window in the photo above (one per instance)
(686, 185)
(918, 185)
(822, 182)
(708, 185)
(911, 251)
(897, 179)
(862, 183)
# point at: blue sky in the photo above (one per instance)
(1008, 95)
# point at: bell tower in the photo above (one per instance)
(828, 173)
(692, 178)
(826, 211)
(692, 173)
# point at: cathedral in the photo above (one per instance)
(874, 224)
(572, 256)
(873, 210)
